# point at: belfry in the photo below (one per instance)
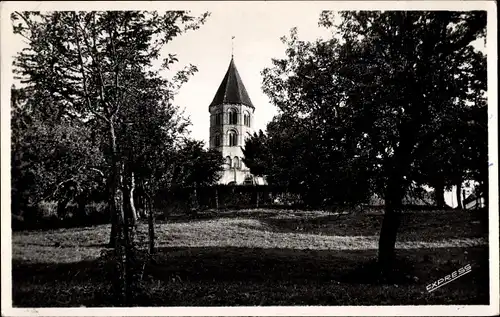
(231, 121)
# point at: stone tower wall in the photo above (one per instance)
(231, 174)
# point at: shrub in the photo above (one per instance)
(46, 209)
(95, 213)
(44, 216)
(93, 208)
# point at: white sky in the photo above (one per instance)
(257, 34)
(257, 41)
(257, 30)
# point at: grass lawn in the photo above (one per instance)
(263, 257)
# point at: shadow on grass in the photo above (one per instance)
(248, 276)
(414, 226)
(222, 214)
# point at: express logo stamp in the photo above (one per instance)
(449, 278)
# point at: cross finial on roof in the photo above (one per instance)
(232, 46)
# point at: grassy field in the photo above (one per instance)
(263, 257)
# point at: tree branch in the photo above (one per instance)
(55, 190)
(28, 23)
(97, 64)
(112, 33)
(82, 69)
(97, 170)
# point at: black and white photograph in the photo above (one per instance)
(249, 158)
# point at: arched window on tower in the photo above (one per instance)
(217, 141)
(228, 161)
(233, 138)
(233, 116)
(236, 162)
(246, 118)
(218, 118)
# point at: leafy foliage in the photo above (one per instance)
(257, 155)
(296, 155)
(377, 96)
(96, 69)
(51, 159)
(195, 166)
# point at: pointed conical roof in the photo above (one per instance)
(232, 90)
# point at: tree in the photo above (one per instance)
(388, 83)
(154, 129)
(192, 167)
(295, 154)
(476, 154)
(257, 155)
(196, 166)
(458, 155)
(52, 159)
(94, 66)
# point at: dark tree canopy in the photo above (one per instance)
(196, 166)
(92, 74)
(51, 158)
(375, 101)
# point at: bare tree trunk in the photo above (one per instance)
(133, 210)
(216, 198)
(114, 227)
(439, 194)
(113, 237)
(151, 227)
(113, 204)
(119, 233)
(129, 229)
(121, 249)
(195, 203)
(128, 204)
(143, 203)
(390, 225)
(458, 192)
(115, 196)
(394, 192)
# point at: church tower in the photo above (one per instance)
(231, 121)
